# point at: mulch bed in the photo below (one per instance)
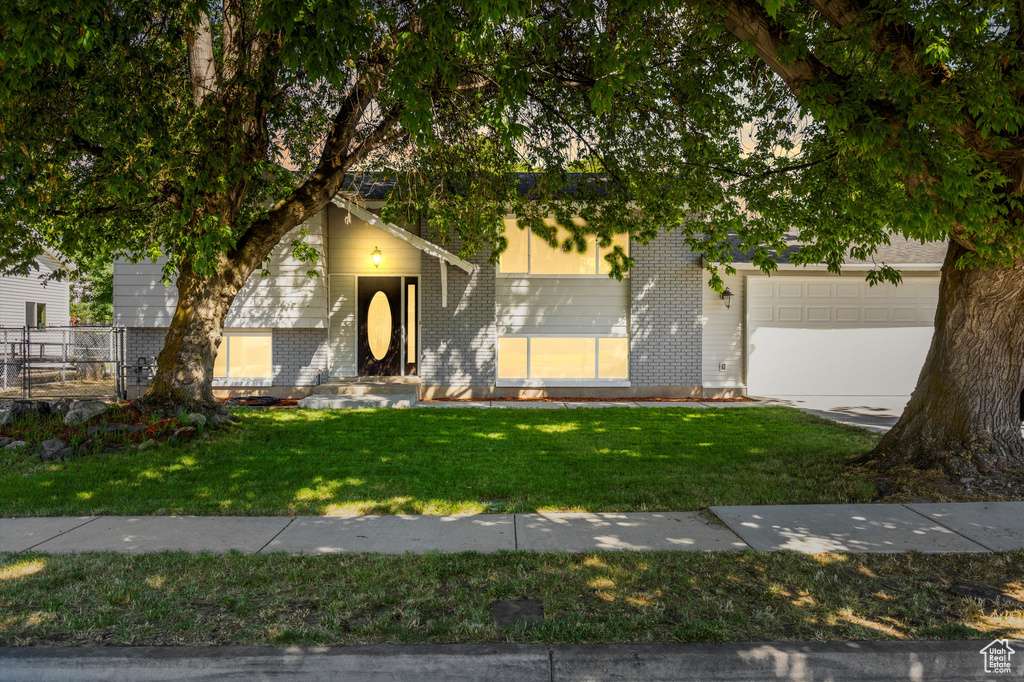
(52, 426)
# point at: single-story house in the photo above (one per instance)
(390, 301)
(33, 300)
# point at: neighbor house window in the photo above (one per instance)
(563, 357)
(529, 254)
(35, 314)
(244, 355)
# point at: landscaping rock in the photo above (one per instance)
(54, 449)
(61, 406)
(147, 445)
(4, 440)
(82, 411)
(19, 408)
(110, 449)
(15, 445)
(196, 419)
(185, 434)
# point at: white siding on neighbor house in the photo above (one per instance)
(342, 333)
(350, 246)
(140, 298)
(562, 305)
(15, 292)
(288, 298)
(723, 335)
(831, 335)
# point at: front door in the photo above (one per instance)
(379, 303)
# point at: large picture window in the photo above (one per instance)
(563, 357)
(528, 254)
(244, 355)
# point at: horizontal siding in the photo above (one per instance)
(350, 246)
(287, 298)
(140, 298)
(342, 334)
(723, 335)
(15, 292)
(562, 305)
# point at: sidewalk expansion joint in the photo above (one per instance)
(939, 522)
(290, 522)
(84, 523)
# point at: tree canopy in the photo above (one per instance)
(889, 118)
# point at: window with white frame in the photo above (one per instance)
(570, 358)
(244, 354)
(35, 314)
(528, 254)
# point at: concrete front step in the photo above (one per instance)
(403, 386)
(319, 401)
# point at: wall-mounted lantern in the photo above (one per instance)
(727, 297)
(376, 257)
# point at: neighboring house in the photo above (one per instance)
(33, 300)
(389, 301)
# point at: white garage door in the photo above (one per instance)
(837, 335)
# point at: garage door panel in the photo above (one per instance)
(860, 340)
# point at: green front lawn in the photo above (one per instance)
(441, 461)
(178, 599)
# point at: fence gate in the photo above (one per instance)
(59, 362)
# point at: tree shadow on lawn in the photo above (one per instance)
(460, 461)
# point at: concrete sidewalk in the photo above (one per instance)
(935, 661)
(865, 528)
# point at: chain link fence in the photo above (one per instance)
(62, 362)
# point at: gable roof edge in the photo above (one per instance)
(423, 245)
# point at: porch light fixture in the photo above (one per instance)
(376, 257)
(727, 297)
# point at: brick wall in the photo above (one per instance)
(143, 343)
(297, 353)
(665, 312)
(458, 342)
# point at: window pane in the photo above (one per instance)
(410, 323)
(249, 356)
(613, 359)
(220, 363)
(563, 358)
(511, 358)
(621, 240)
(516, 257)
(379, 325)
(548, 260)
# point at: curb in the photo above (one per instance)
(934, 661)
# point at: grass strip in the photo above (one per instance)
(182, 599)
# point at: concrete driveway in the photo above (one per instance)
(873, 412)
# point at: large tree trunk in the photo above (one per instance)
(964, 416)
(184, 369)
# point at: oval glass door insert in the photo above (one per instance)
(378, 325)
